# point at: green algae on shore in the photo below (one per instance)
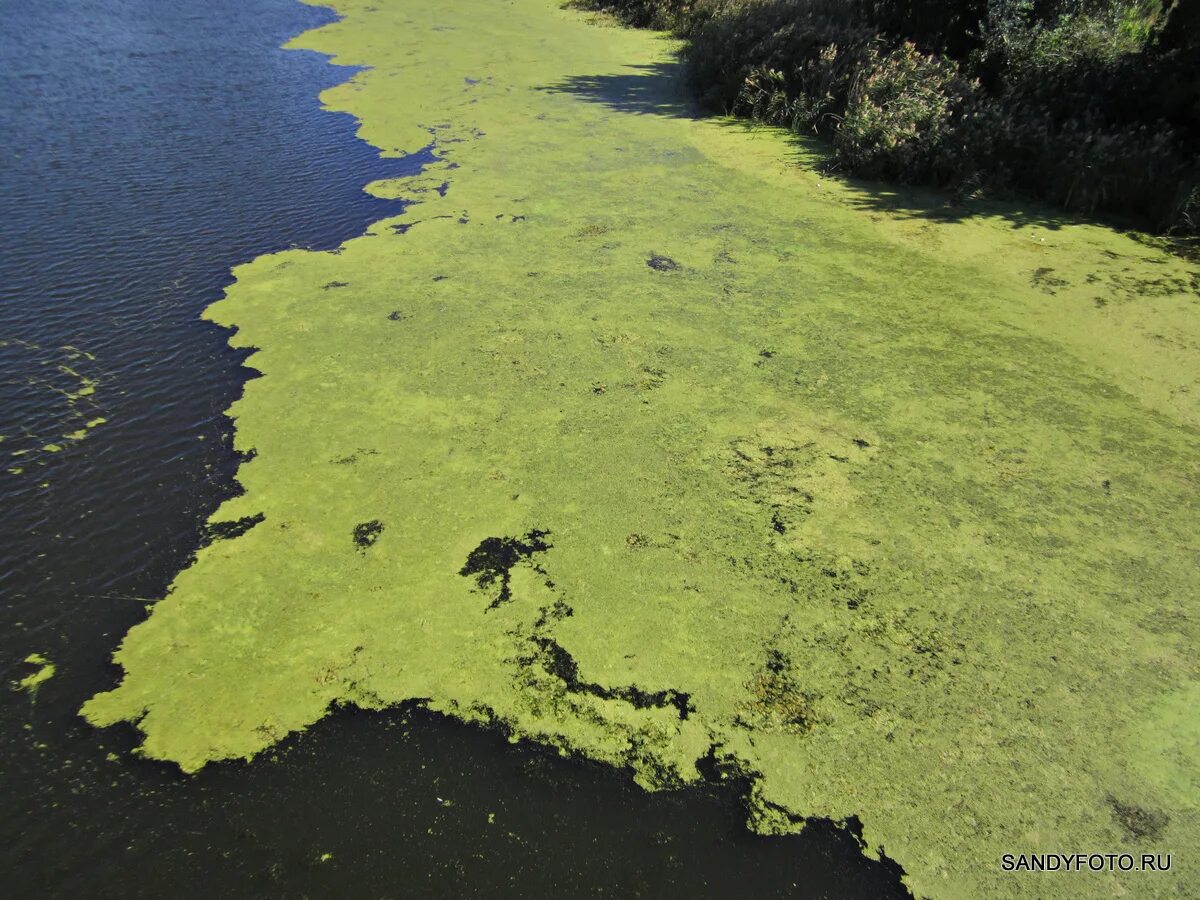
(893, 514)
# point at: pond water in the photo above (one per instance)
(148, 147)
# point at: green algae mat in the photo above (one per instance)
(635, 436)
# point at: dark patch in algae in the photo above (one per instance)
(223, 531)
(367, 533)
(493, 560)
(354, 457)
(1138, 821)
(776, 699)
(559, 662)
(662, 263)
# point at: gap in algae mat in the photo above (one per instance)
(153, 148)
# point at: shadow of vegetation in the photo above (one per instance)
(946, 206)
(661, 89)
(657, 89)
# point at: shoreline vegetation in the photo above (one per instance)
(1092, 106)
(632, 438)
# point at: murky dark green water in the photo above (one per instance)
(147, 147)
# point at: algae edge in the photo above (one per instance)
(43, 671)
(813, 505)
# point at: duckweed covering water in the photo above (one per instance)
(636, 437)
(70, 377)
(43, 671)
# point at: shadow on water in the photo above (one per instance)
(149, 148)
(947, 206)
(660, 89)
(656, 89)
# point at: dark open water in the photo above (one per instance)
(146, 146)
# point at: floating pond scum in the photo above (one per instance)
(636, 437)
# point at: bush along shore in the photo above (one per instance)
(1091, 105)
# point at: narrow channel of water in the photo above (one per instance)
(148, 147)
